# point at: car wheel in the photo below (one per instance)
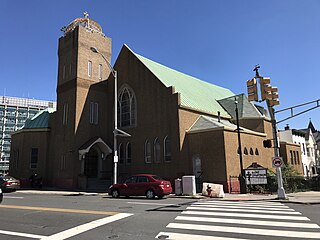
(115, 193)
(150, 194)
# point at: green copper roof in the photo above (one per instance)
(40, 120)
(195, 93)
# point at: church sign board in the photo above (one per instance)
(256, 175)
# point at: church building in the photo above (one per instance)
(178, 124)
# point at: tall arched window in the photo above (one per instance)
(121, 153)
(126, 108)
(167, 149)
(156, 150)
(147, 151)
(128, 153)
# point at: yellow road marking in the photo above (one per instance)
(58, 210)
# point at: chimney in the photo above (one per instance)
(219, 118)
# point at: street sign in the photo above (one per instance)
(277, 162)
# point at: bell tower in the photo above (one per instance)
(79, 67)
(81, 84)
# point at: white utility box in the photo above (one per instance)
(189, 185)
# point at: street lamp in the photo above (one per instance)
(116, 131)
(243, 188)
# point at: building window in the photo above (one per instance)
(257, 151)
(34, 158)
(245, 151)
(63, 162)
(89, 68)
(291, 157)
(121, 153)
(128, 153)
(251, 151)
(100, 71)
(126, 108)
(94, 113)
(147, 151)
(294, 157)
(65, 114)
(304, 149)
(298, 159)
(167, 149)
(156, 150)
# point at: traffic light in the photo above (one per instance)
(275, 97)
(266, 89)
(252, 89)
(267, 143)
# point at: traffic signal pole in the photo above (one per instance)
(281, 191)
(270, 95)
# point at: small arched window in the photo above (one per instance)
(147, 151)
(128, 153)
(251, 151)
(121, 153)
(126, 108)
(257, 152)
(156, 150)
(245, 151)
(238, 151)
(167, 149)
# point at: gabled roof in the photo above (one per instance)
(245, 108)
(204, 124)
(40, 120)
(195, 93)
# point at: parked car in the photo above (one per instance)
(8, 183)
(1, 195)
(148, 185)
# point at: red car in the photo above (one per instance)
(148, 185)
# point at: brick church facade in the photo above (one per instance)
(179, 125)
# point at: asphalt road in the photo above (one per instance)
(99, 217)
(33, 216)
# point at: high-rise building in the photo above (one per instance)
(13, 114)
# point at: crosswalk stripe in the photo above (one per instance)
(246, 215)
(244, 210)
(247, 204)
(182, 236)
(253, 231)
(248, 222)
(246, 207)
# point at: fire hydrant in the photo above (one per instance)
(209, 191)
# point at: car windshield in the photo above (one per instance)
(157, 178)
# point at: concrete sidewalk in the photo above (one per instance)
(311, 197)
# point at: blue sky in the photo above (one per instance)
(218, 41)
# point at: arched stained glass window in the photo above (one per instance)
(128, 153)
(126, 107)
(121, 153)
(156, 150)
(147, 152)
(167, 149)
